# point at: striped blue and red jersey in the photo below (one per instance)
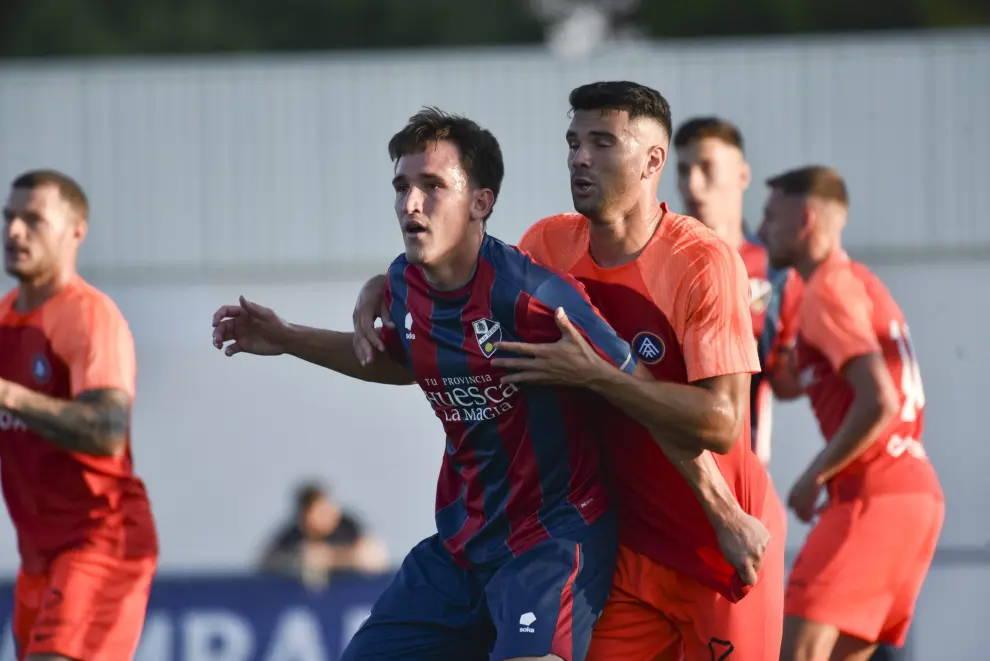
(522, 463)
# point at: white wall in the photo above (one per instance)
(201, 163)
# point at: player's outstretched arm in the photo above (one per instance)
(95, 423)
(252, 328)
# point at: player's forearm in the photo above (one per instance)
(689, 416)
(702, 473)
(91, 427)
(866, 419)
(335, 351)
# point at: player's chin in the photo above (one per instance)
(416, 255)
(585, 205)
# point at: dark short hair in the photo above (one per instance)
(68, 188)
(481, 155)
(699, 128)
(308, 494)
(637, 100)
(819, 181)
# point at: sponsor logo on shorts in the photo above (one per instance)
(720, 649)
(526, 623)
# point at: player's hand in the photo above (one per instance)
(570, 361)
(803, 498)
(369, 307)
(250, 328)
(743, 540)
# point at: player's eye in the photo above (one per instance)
(573, 146)
(401, 188)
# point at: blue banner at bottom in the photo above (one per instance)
(242, 619)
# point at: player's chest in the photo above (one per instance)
(815, 373)
(451, 357)
(642, 323)
(27, 359)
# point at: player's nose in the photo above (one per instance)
(414, 201)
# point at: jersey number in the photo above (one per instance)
(914, 394)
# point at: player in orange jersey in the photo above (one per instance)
(85, 531)
(680, 296)
(712, 177)
(858, 576)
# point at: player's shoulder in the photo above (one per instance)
(88, 303)
(687, 243)
(557, 240)
(7, 303)
(518, 272)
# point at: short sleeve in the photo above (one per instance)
(559, 291)
(837, 319)
(103, 356)
(716, 325)
(390, 336)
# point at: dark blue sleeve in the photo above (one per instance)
(556, 291)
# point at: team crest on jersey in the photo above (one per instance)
(489, 334)
(759, 294)
(40, 368)
(649, 347)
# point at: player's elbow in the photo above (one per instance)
(107, 444)
(884, 405)
(724, 429)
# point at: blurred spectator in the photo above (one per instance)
(322, 539)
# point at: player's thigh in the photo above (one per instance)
(855, 562)
(631, 626)
(928, 513)
(428, 611)
(842, 575)
(546, 601)
(751, 628)
(807, 640)
(93, 607)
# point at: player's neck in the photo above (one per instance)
(815, 257)
(457, 269)
(35, 292)
(730, 231)
(618, 241)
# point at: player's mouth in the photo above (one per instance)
(582, 185)
(14, 252)
(414, 228)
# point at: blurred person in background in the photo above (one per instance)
(322, 538)
(858, 576)
(712, 178)
(85, 530)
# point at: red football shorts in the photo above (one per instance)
(658, 614)
(88, 606)
(863, 564)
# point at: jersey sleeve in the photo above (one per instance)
(533, 242)
(715, 323)
(102, 356)
(837, 319)
(559, 291)
(390, 336)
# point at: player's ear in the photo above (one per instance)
(481, 203)
(746, 175)
(655, 158)
(80, 229)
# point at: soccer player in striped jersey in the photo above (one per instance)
(525, 553)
